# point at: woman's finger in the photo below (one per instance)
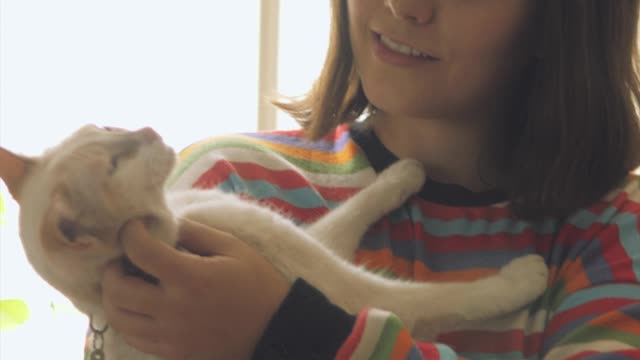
(145, 344)
(159, 348)
(128, 292)
(203, 240)
(151, 255)
(130, 323)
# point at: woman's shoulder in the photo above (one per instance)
(273, 156)
(624, 198)
(337, 146)
(619, 207)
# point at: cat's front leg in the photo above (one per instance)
(515, 286)
(522, 281)
(341, 230)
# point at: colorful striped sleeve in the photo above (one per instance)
(380, 335)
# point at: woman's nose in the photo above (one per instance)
(419, 12)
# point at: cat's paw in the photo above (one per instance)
(526, 275)
(407, 173)
(515, 286)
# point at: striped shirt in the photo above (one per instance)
(590, 310)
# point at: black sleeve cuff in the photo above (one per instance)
(306, 326)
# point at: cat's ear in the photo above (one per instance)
(61, 228)
(13, 170)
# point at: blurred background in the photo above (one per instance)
(190, 69)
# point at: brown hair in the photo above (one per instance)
(575, 134)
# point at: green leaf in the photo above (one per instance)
(13, 313)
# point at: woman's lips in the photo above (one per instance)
(396, 53)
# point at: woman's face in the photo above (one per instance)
(439, 58)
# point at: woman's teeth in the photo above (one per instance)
(404, 49)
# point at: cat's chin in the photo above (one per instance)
(88, 308)
(88, 300)
(161, 159)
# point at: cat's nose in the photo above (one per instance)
(148, 134)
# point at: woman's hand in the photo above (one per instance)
(216, 300)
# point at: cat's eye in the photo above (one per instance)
(68, 229)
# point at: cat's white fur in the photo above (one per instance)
(75, 198)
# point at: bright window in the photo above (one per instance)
(187, 68)
(304, 35)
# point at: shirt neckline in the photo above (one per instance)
(441, 193)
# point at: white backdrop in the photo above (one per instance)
(187, 68)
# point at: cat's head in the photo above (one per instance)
(76, 197)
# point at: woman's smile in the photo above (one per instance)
(398, 53)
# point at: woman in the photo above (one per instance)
(522, 112)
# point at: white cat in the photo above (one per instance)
(75, 198)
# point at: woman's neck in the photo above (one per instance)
(455, 152)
